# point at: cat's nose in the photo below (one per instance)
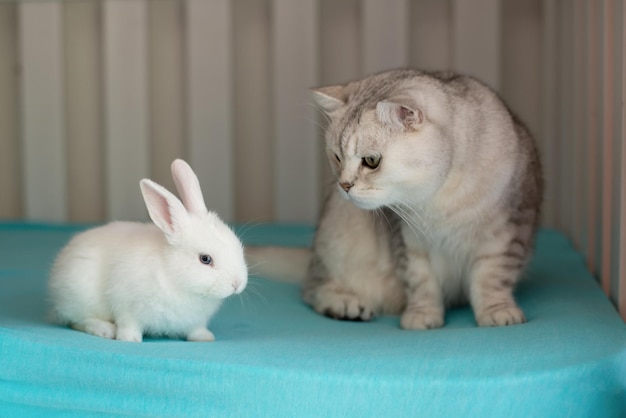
(346, 186)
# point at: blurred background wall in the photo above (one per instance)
(96, 94)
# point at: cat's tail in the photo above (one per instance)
(278, 263)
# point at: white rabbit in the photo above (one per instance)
(124, 280)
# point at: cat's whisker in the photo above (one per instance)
(320, 112)
(420, 228)
(381, 215)
(400, 212)
(317, 124)
(409, 209)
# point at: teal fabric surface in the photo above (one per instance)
(275, 357)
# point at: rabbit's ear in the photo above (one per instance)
(188, 187)
(166, 211)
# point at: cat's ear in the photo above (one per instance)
(401, 112)
(330, 98)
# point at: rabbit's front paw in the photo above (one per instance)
(130, 334)
(201, 334)
(97, 327)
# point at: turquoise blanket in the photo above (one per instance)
(275, 357)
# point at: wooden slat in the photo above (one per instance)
(593, 97)
(430, 27)
(477, 39)
(42, 110)
(616, 285)
(621, 296)
(340, 60)
(10, 176)
(254, 188)
(607, 150)
(385, 35)
(340, 41)
(579, 139)
(126, 106)
(549, 137)
(521, 61)
(85, 165)
(295, 63)
(209, 100)
(565, 118)
(166, 86)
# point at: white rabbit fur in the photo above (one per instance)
(124, 280)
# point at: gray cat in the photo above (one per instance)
(436, 202)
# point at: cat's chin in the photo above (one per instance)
(368, 202)
(365, 204)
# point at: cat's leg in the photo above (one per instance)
(425, 307)
(492, 281)
(332, 297)
(350, 263)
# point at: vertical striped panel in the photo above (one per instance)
(295, 64)
(607, 160)
(565, 117)
(340, 58)
(430, 38)
(10, 178)
(85, 180)
(42, 110)
(591, 134)
(254, 177)
(521, 56)
(622, 238)
(385, 35)
(340, 37)
(477, 35)
(166, 87)
(126, 106)
(209, 101)
(549, 97)
(617, 211)
(579, 139)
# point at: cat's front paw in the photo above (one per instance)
(422, 319)
(344, 306)
(501, 316)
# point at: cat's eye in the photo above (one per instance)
(371, 161)
(337, 158)
(206, 259)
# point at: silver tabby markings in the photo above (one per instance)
(436, 201)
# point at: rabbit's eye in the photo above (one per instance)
(206, 259)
